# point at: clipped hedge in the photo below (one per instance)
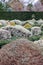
(20, 15)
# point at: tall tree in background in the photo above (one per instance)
(4, 7)
(3, 0)
(1, 7)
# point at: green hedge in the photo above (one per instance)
(20, 15)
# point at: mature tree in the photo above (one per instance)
(4, 7)
(1, 7)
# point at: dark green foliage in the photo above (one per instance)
(3, 42)
(36, 24)
(1, 7)
(20, 15)
(41, 33)
(42, 28)
(4, 7)
(34, 38)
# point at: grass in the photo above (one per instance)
(4, 42)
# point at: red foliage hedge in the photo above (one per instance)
(20, 52)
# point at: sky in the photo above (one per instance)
(26, 1)
(22, 0)
(5, 0)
